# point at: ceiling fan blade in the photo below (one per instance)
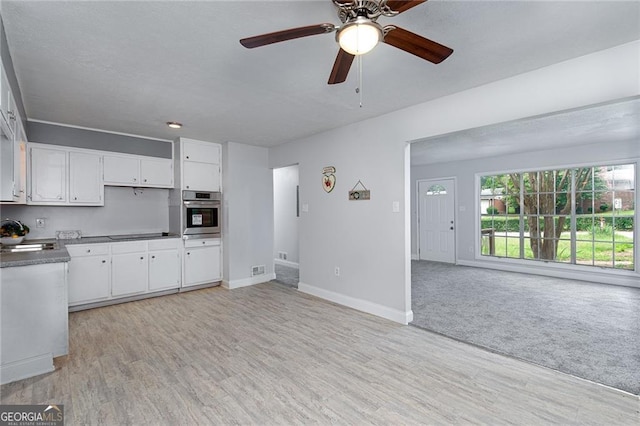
(290, 34)
(341, 67)
(417, 45)
(400, 5)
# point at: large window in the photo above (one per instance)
(582, 216)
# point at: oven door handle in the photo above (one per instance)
(211, 204)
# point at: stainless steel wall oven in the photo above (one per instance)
(202, 213)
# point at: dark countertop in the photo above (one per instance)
(61, 254)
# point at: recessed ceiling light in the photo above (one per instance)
(174, 124)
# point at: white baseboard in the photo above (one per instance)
(358, 304)
(258, 279)
(26, 368)
(286, 263)
(595, 276)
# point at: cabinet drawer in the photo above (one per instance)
(128, 247)
(77, 250)
(168, 244)
(202, 243)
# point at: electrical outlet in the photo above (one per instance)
(337, 271)
(40, 223)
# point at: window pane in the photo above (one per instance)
(604, 215)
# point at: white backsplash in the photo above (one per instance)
(125, 211)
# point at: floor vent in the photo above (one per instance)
(257, 270)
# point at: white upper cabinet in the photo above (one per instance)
(156, 172)
(48, 176)
(85, 178)
(7, 103)
(203, 152)
(138, 171)
(60, 176)
(121, 170)
(200, 165)
(200, 176)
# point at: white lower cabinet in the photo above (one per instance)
(105, 272)
(202, 260)
(165, 267)
(89, 273)
(129, 265)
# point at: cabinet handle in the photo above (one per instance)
(188, 253)
(75, 198)
(88, 250)
(135, 179)
(187, 186)
(187, 157)
(153, 257)
(141, 257)
(104, 261)
(145, 180)
(59, 197)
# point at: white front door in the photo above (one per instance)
(436, 220)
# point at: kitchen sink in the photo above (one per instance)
(23, 248)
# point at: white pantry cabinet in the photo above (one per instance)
(138, 171)
(202, 261)
(62, 176)
(89, 273)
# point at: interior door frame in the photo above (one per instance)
(455, 213)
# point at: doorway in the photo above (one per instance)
(285, 225)
(436, 220)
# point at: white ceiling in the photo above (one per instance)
(131, 66)
(608, 123)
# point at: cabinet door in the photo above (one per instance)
(89, 279)
(20, 167)
(121, 170)
(202, 152)
(128, 273)
(156, 172)
(201, 265)
(164, 270)
(200, 176)
(85, 178)
(7, 157)
(48, 175)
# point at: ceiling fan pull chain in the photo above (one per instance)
(359, 88)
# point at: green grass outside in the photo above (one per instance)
(599, 253)
(618, 213)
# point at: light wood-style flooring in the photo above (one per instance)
(270, 355)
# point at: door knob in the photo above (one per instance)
(451, 228)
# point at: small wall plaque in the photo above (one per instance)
(328, 178)
(359, 194)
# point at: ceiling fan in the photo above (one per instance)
(360, 33)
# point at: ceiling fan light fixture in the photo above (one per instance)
(359, 36)
(174, 124)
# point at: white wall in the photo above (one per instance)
(125, 211)
(369, 243)
(247, 214)
(285, 221)
(364, 239)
